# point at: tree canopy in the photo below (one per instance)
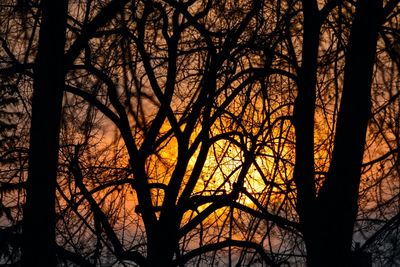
(200, 133)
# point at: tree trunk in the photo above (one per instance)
(38, 248)
(303, 118)
(161, 249)
(338, 198)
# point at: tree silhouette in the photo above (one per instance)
(336, 205)
(177, 79)
(200, 133)
(328, 217)
(38, 246)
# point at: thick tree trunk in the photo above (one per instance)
(330, 244)
(303, 118)
(38, 248)
(161, 249)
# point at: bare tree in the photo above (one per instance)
(328, 207)
(174, 72)
(212, 133)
